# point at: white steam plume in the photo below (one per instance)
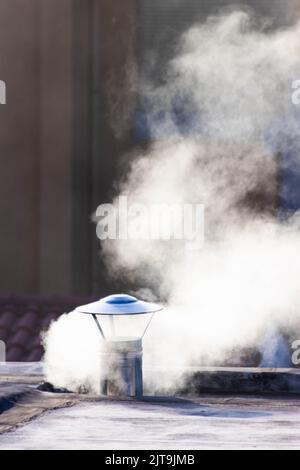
(234, 79)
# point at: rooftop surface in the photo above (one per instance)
(31, 419)
(205, 423)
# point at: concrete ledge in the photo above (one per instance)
(243, 381)
(221, 380)
(193, 381)
(21, 368)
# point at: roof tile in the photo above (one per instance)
(35, 355)
(15, 354)
(23, 318)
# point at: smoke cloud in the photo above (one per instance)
(221, 124)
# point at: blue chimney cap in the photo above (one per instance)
(119, 304)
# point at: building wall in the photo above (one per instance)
(55, 155)
(19, 145)
(35, 146)
(104, 46)
(114, 99)
(71, 73)
(62, 132)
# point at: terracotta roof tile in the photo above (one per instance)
(35, 355)
(15, 354)
(23, 318)
(7, 320)
(21, 337)
(33, 342)
(27, 321)
(47, 319)
(3, 334)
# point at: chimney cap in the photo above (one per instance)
(119, 304)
